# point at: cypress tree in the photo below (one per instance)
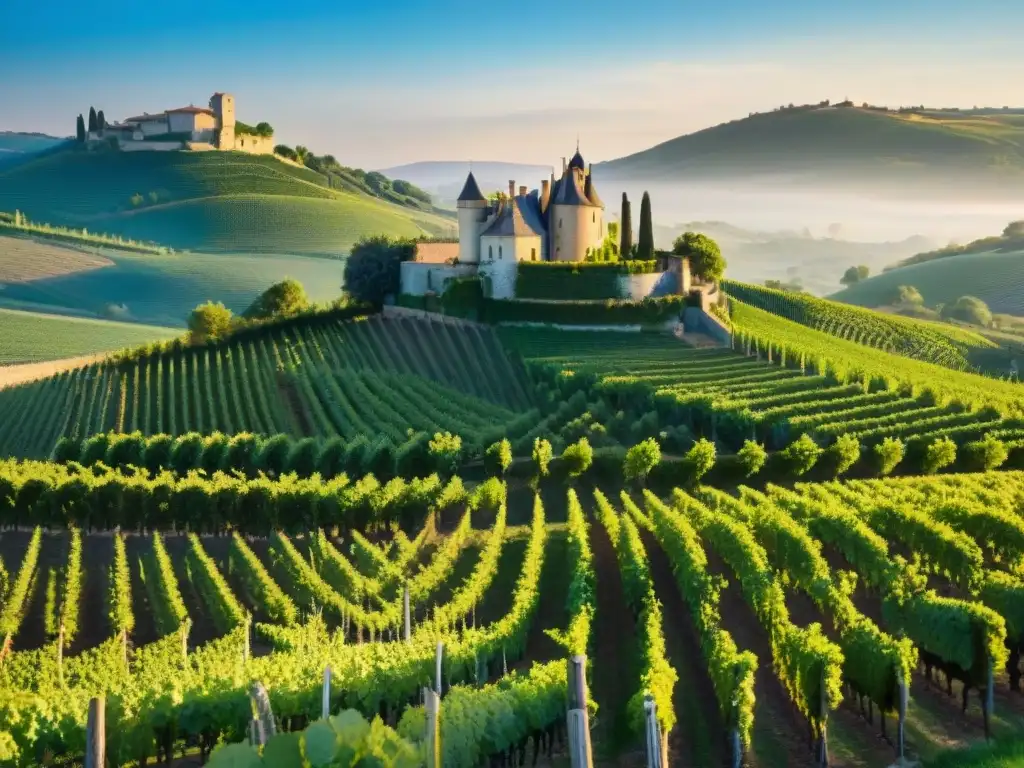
(80, 129)
(101, 121)
(92, 119)
(645, 240)
(626, 229)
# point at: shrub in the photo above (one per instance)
(969, 309)
(489, 495)
(578, 457)
(281, 299)
(498, 457)
(94, 449)
(331, 461)
(215, 452)
(888, 454)
(272, 457)
(126, 451)
(67, 449)
(641, 459)
(843, 454)
(542, 455)
(158, 452)
(800, 456)
(241, 452)
(302, 458)
(413, 459)
(940, 454)
(445, 452)
(209, 322)
(983, 455)
(186, 452)
(700, 458)
(752, 457)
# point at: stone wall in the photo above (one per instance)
(499, 279)
(697, 321)
(254, 145)
(637, 287)
(151, 146)
(419, 279)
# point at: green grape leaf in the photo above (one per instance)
(350, 725)
(284, 750)
(235, 756)
(320, 744)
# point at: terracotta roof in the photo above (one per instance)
(436, 253)
(471, 190)
(509, 222)
(146, 118)
(191, 111)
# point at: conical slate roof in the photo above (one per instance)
(471, 190)
(509, 222)
(570, 190)
(591, 191)
(577, 160)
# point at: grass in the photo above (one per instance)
(163, 289)
(1008, 754)
(997, 278)
(271, 224)
(203, 200)
(31, 337)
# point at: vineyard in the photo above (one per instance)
(938, 343)
(173, 627)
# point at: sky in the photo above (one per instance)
(379, 84)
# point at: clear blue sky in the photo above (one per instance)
(381, 83)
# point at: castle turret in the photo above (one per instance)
(472, 212)
(223, 106)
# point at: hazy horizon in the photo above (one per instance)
(410, 81)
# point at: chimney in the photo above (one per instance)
(522, 190)
(511, 188)
(564, 166)
(545, 194)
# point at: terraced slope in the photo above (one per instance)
(370, 377)
(937, 343)
(775, 396)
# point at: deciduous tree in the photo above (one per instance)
(209, 322)
(372, 270)
(706, 261)
(281, 299)
(854, 275)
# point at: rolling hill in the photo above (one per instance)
(214, 201)
(445, 178)
(157, 289)
(16, 148)
(995, 277)
(860, 145)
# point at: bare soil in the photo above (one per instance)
(94, 623)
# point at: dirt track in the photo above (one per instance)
(19, 374)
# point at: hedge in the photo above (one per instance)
(576, 280)
(650, 311)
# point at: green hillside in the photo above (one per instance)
(819, 141)
(163, 289)
(144, 193)
(996, 277)
(32, 337)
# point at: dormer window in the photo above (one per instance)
(490, 252)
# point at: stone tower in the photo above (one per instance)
(223, 106)
(472, 210)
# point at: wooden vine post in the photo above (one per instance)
(432, 705)
(264, 714)
(657, 742)
(325, 708)
(96, 734)
(438, 658)
(577, 718)
(5, 649)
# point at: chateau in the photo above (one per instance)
(562, 221)
(191, 127)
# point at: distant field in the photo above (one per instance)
(162, 290)
(996, 278)
(22, 260)
(204, 200)
(271, 224)
(29, 337)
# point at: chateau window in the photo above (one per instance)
(593, 218)
(490, 252)
(559, 223)
(499, 251)
(533, 254)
